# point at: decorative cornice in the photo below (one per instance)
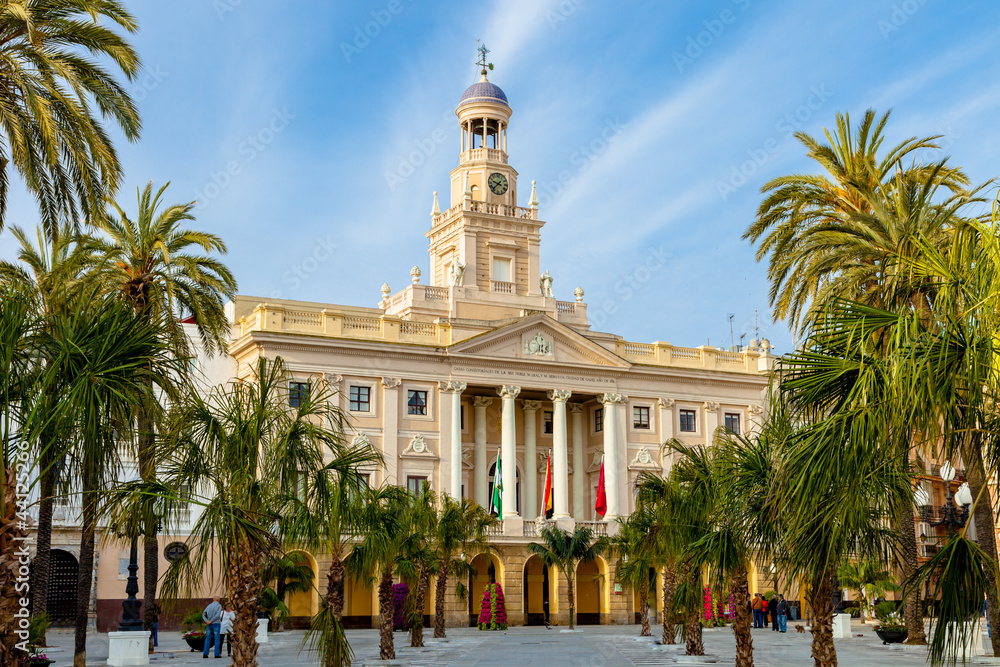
(666, 403)
(755, 409)
(482, 401)
(575, 407)
(559, 395)
(530, 406)
(457, 387)
(333, 378)
(361, 440)
(418, 448)
(391, 383)
(711, 406)
(643, 461)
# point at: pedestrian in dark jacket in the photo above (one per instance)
(782, 613)
(772, 607)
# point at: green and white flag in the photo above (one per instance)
(496, 506)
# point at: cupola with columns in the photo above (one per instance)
(484, 248)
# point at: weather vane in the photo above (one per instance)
(481, 48)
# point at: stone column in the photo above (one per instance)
(390, 429)
(579, 462)
(484, 148)
(611, 402)
(508, 450)
(711, 421)
(480, 463)
(530, 457)
(456, 389)
(667, 431)
(560, 457)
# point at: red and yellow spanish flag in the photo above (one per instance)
(549, 510)
(601, 507)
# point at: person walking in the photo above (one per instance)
(773, 606)
(763, 610)
(782, 614)
(155, 611)
(758, 606)
(213, 619)
(226, 627)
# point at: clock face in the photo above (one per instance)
(497, 183)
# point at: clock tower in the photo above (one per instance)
(494, 240)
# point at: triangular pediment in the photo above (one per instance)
(538, 339)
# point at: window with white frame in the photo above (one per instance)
(501, 269)
(688, 421)
(733, 423)
(416, 402)
(640, 417)
(361, 399)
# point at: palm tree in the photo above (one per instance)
(870, 579)
(382, 549)
(19, 329)
(321, 515)
(855, 233)
(291, 573)
(148, 263)
(103, 363)
(239, 449)
(829, 235)
(50, 274)
(461, 530)
(565, 551)
(663, 498)
(55, 81)
(420, 559)
(635, 548)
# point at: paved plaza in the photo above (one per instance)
(592, 646)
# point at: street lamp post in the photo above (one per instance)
(955, 510)
(131, 621)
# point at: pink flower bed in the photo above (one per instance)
(493, 610)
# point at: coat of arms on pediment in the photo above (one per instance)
(538, 345)
(643, 460)
(418, 447)
(361, 440)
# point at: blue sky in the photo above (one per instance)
(649, 127)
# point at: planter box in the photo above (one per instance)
(196, 643)
(892, 636)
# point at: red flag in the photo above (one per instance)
(549, 509)
(602, 498)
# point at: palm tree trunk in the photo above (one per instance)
(417, 630)
(741, 623)
(86, 573)
(150, 546)
(907, 531)
(571, 598)
(245, 588)
(386, 650)
(669, 585)
(821, 603)
(439, 591)
(281, 586)
(335, 587)
(644, 610)
(986, 537)
(692, 625)
(11, 543)
(43, 550)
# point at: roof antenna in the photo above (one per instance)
(732, 337)
(482, 50)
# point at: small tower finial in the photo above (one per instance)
(483, 65)
(468, 188)
(435, 210)
(533, 202)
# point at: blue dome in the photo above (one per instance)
(484, 91)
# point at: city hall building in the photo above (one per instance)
(478, 359)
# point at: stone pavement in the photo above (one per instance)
(592, 646)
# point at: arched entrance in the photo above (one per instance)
(590, 588)
(64, 571)
(303, 604)
(539, 592)
(487, 570)
(359, 604)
